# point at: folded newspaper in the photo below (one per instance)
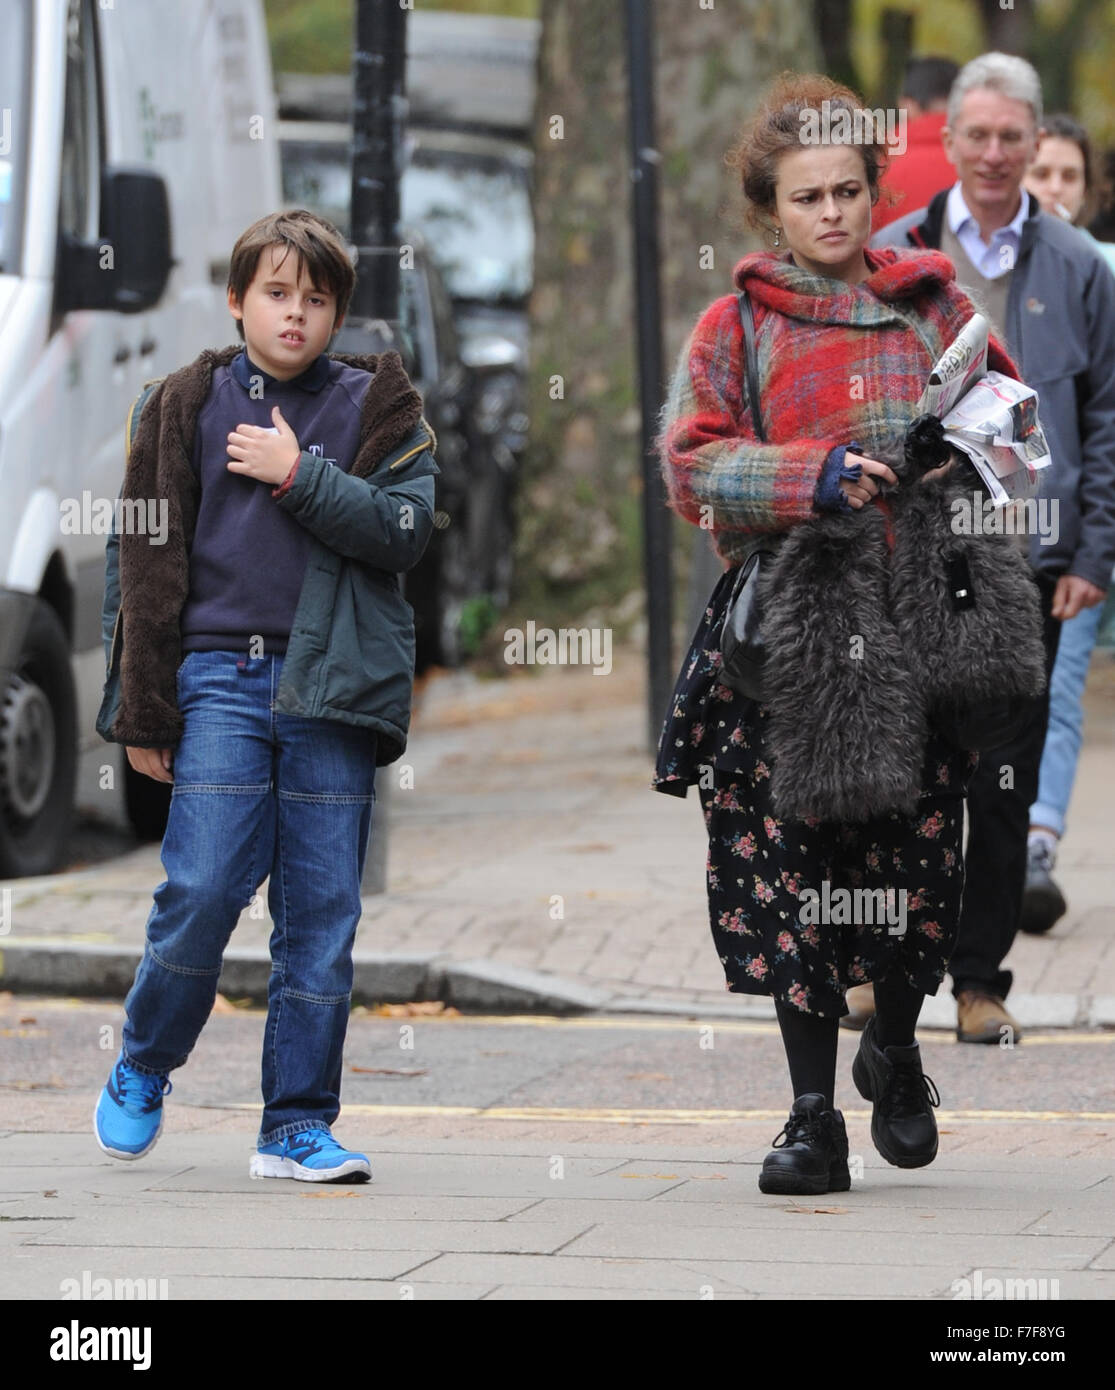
(991, 418)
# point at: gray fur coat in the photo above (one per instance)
(864, 643)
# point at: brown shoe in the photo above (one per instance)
(861, 1003)
(982, 1016)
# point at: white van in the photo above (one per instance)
(138, 138)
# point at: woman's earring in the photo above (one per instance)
(777, 237)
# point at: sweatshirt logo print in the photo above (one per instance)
(319, 451)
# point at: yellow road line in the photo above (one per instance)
(1062, 1037)
(575, 1114)
(756, 1027)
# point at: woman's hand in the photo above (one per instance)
(865, 488)
(944, 470)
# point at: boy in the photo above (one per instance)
(262, 661)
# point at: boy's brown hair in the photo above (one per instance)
(317, 244)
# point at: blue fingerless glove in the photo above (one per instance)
(829, 496)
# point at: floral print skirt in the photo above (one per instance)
(802, 909)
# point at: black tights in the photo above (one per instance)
(810, 1040)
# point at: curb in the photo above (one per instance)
(46, 965)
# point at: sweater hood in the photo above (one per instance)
(775, 282)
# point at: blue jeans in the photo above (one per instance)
(258, 792)
(1066, 718)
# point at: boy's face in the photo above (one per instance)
(287, 322)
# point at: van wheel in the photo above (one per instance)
(38, 750)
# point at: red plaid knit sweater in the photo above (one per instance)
(837, 363)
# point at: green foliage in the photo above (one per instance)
(515, 9)
(952, 28)
(478, 616)
(316, 35)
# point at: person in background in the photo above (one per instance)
(913, 177)
(1050, 295)
(1062, 179)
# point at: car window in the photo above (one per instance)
(15, 66)
(79, 197)
(476, 215)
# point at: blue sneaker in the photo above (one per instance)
(129, 1114)
(312, 1155)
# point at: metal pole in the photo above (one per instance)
(378, 117)
(656, 518)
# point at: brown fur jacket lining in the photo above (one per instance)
(155, 579)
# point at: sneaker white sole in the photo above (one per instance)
(123, 1153)
(271, 1166)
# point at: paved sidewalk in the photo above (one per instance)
(530, 842)
(473, 1209)
(541, 1158)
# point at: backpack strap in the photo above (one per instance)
(135, 412)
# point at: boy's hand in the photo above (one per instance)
(152, 762)
(262, 453)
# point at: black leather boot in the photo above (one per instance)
(810, 1155)
(903, 1128)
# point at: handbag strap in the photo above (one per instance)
(752, 357)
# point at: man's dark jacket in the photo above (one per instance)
(1060, 330)
(350, 656)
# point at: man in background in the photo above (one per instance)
(924, 168)
(1050, 298)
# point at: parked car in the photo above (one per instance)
(470, 195)
(469, 363)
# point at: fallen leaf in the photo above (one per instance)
(391, 1071)
(648, 1076)
(51, 1192)
(325, 1192)
(417, 1009)
(28, 1020)
(819, 1211)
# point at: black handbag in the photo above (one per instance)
(742, 650)
(989, 724)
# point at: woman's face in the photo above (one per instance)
(822, 204)
(1057, 176)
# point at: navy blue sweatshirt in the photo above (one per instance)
(248, 556)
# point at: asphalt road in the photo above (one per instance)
(58, 1048)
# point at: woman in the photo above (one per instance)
(1061, 178)
(846, 337)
